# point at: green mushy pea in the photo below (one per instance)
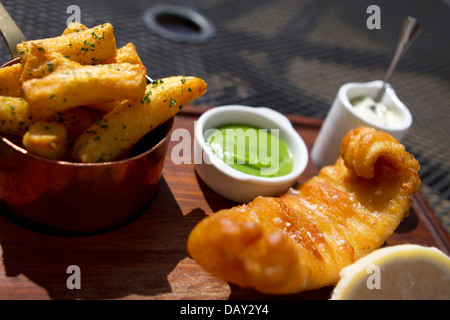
(252, 150)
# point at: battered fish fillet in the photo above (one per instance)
(302, 239)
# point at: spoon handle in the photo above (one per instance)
(10, 32)
(410, 31)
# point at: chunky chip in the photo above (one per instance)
(69, 88)
(120, 129)
(74, 27)
(41, 62)
(46, 139)
(76, 120)
(10, 82)
(127, 53)
(15, 116)
(90, 46)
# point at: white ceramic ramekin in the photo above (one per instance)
(342, 117)
(236, 185)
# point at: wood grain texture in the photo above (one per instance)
(147, 257)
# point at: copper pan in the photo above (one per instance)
(68, 198)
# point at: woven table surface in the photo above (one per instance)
(292, 56)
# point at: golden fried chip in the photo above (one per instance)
(41, 62)
(127, 53)
(76, 120)
(90, 46)
(121, 128)
(15, 116)
(69, 88)
(74, 27)
(46, 139)
(10, 83)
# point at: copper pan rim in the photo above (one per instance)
(11, 62)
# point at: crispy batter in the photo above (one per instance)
(301, 240)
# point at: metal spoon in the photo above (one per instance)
(410, 31)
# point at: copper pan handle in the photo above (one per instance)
(11, 33)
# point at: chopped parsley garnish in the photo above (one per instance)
(146, 97)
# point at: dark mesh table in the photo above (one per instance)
(292, 56)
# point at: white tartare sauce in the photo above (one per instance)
(377, 113)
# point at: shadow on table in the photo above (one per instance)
(134, 259)
(215, 201)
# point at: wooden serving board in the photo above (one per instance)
(147, 257)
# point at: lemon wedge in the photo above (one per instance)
(402, 272)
